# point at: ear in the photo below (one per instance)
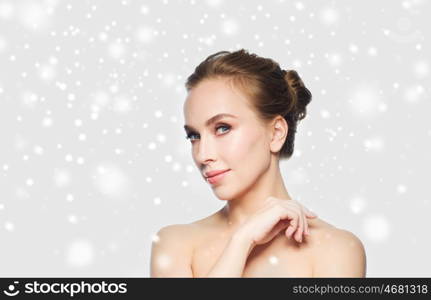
(279, 129)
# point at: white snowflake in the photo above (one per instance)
(61, 178)
(230, 27)
(80, 253)
(111, 180)
(375, 144)
(357, 204)
(329, 16)
(9, 226)
(376, 228)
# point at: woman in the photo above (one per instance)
(241, 115)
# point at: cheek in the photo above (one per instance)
(246, 148)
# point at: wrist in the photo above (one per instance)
(243, 241)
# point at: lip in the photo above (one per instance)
(214, 173)
(216, 178)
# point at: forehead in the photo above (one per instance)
(214, 96)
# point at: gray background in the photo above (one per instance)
(93, 156)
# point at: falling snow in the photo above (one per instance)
(376, 228)
(358, 204)
(94, 113)
(80, 253)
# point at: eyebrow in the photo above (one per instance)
(211, 120)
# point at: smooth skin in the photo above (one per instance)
(250, 230)
(260, 228)
(276, 215)
(331, 252)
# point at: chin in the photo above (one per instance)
(224, 193)
(232, 189)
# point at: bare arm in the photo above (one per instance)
(232, 261)
(171, 255)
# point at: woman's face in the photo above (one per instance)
(239, 143)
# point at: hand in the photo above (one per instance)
(274, 216)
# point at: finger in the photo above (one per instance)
(299, 232)
(293, 213)
(288, 213)
(309, 213)
(307, 231)
(293, 208)
(276, 229)
(292, 227)
(301, 236)
(299, 209)
(298, 205)
(303, 223)
(298, 226)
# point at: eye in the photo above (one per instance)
(192, 134)
(189, 136)
(223, 126)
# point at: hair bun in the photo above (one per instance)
(300, 95)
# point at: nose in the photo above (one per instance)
(204, 151)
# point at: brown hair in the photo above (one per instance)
(273, 91)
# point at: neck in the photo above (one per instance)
(237, 210)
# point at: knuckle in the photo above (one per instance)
(275, 205)
(270, 199)
(269, 202)
(296, 213)
(279, 206)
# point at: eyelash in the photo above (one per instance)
(189, 135)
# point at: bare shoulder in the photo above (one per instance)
(178, 235)
(325, 234)
(171, 251)
(174, 230)
(183, 235)
(336, 252)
